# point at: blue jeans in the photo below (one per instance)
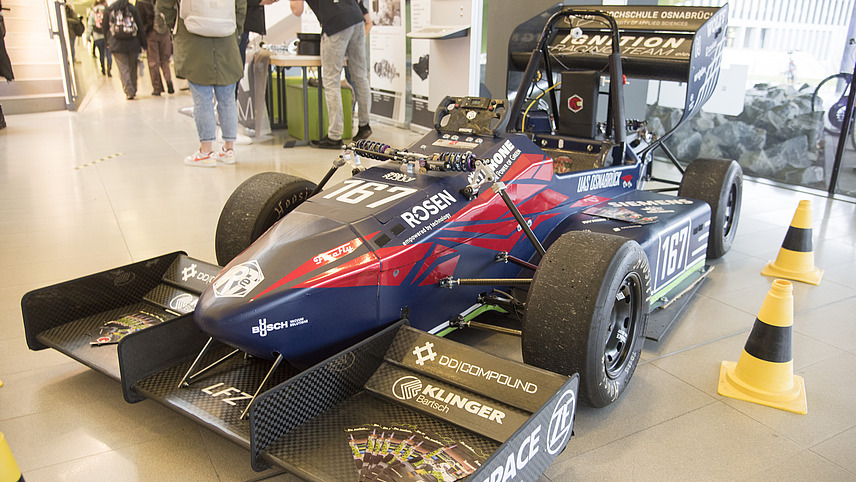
(203, 111)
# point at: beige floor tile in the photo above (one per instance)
(661, 397)
(805, 465)
(806, 296)
(831, 324)
(706, 444)
(830, 389)
(839, 449)
(705, 319)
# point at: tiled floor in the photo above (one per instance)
(63, 215)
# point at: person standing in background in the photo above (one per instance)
(212, 67)
(159, 50)
(93, 31)
(344, 25)
(125, 39)
(75, 29)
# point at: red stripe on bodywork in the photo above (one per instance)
(317, 261)
(362, 271)
(446, 268)
(589, 200)
(439, 250)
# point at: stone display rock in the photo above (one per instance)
(776, 136)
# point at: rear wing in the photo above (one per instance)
(682, 44)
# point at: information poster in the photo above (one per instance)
(388, 59)
(420, 17)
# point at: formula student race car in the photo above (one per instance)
(482, 214)
(538, 214)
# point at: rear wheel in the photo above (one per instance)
(718, 182)
(256, 205)
(587, 310)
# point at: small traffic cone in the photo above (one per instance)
(796, 259)
(9, 471)
(764, 374)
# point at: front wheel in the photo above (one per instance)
(587, 311)
(718, 182)
(256, 205)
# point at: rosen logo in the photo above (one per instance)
(239, 281)
(407, 387)
(575, 103)
(561, 422)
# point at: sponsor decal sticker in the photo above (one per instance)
(239, 281)
(575, 103)
(427, 348)
(264, 327)
(184, 303)
(337, 252)
(561, 422)
(601, 180)
(423, 211)
(442, 400)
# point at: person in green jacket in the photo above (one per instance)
(212, 67)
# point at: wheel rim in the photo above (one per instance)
(623, 325)
(730, 207)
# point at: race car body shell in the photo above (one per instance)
(380, 243)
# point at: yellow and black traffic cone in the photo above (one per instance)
(9, 471)
(796, 259)
(764, 374)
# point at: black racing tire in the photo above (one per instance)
(718, 182)
(256, 205)
(587, 311)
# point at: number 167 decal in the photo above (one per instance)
(358, 191)
(673, 252)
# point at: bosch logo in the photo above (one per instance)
(561, 423)
(406, 388)
(575, 103)
(239, 281)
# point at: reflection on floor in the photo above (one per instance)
(83, 192)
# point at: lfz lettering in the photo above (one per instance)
(227, 391)
(357, 191)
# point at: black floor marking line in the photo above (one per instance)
(111, 156)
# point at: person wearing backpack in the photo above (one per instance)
(159, 49)
(206, 54)
(125, 39)
(93, 32)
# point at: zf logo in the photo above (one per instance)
(561, 423)
(419, 350)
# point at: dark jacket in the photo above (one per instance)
(255, 21)
(147, 14)
(131, 46)
(335, 16)
(205, 60)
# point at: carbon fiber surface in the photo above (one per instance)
(73, 338)
(217, 398)
(285, 407)
(56, 305)
(318, 449)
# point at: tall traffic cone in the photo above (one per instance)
(764, 374)
(9, 471)
(796, 259)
